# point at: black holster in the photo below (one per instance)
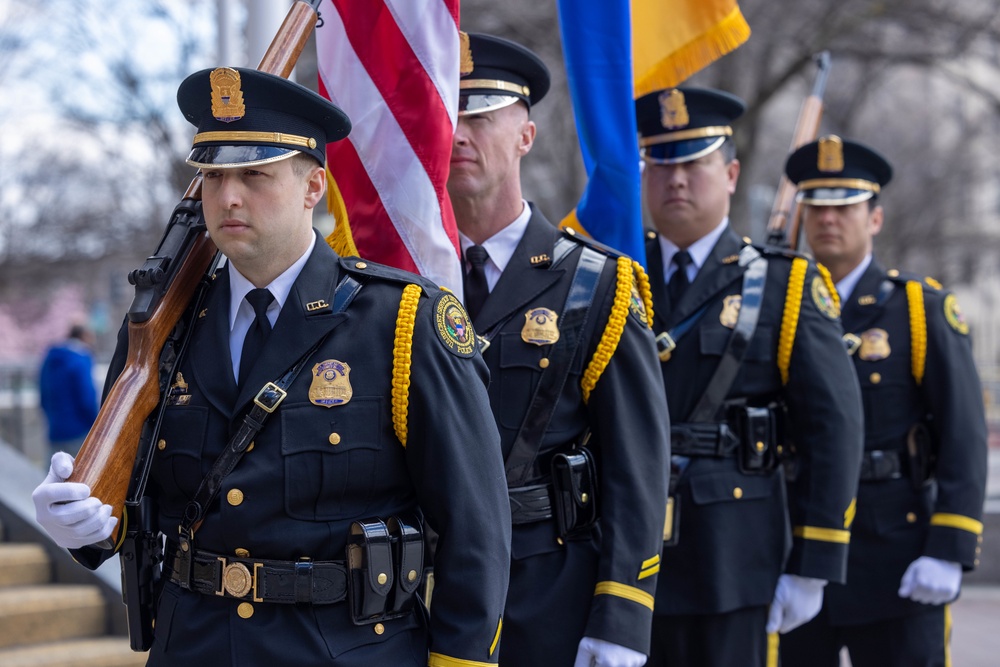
(920, 451)
(574, 487)
(385, 561)
(141, 556)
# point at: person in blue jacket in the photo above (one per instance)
(66, 390)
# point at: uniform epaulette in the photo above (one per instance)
(779, 251)
(363, 267)
(573, 235)
(902, 277)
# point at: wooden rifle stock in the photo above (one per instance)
(106, 459)
(783, 224)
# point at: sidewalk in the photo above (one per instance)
(975, 639)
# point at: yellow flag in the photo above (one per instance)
(673, 40)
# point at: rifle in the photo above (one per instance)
(783, 224)
(164, 286)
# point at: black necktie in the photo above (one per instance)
(260, 328)
(476, 289)
(679, 280)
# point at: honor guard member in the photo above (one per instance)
(923, 475)
(755, 372)
(574, 388)
(385, 423)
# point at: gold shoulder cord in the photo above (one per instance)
(402, 350)
(823, 271)
(644, 291)
(613, 331)
(918, 329)
(790, 318)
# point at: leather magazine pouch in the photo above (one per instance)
(574, 486)
(369, 570)
(757, 432)
(408, 554)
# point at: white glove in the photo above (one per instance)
(599, 653)
(796, 601)
(69, 514)
(931, 581)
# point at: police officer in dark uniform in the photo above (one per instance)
(923, 475)
(386, 425)
(574, 388)
(755, 373)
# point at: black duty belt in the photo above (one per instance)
(704, 439)
(882, 464)
(530, 504)
(281, 581)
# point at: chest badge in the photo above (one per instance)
(540, 327)
(730, 310)
(874, 345)
(178, 394)
(331, 384)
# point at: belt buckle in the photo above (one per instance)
(269, 397)
(665, 344)
(236, 579)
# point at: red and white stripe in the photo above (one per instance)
(392, 66)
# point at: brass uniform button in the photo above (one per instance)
(382, 577)
(334, 438)
(361, 265)
(161, 445)
(242, 553)
(235, 497)
(379, 628)
(245, 610)
(893, 273)
(584, 498)
(875, 378)
(184, 547)
(911, 517)
(250, 446)
(737, 493)
(543, 362)
(559, 541)
(411, 575)
(759, 445)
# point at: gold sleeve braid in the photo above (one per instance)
(823, 271)
(402, 350)
(644, 291)
(790, 318)
(918, 329)
(613, 331)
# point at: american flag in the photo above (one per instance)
(392, 66)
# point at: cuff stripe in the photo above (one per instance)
(823, 534)
(957, 521)
(628, 592)
(438, 660)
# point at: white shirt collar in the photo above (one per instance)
(239, 286)
(699, 251)
(501, 246)
(847, 284)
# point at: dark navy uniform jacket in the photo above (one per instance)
(602, 585)
(313, 470)
(896, 522)
(739, 531)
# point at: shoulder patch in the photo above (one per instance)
(636, 304)
(453, 326)
(823, 299)
(953, 314)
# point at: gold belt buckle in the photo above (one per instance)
(237, 580)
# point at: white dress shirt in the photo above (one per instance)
(699, 251)
(500, 246)
(847, 284)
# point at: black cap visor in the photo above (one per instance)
(237, 156)
(834, 196)
(469, 104)
(675, 152)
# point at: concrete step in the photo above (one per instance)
(97, 652)
(24, 564)
(51, 612)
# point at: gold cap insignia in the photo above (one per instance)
(465, 64)
(874, 345)
(673, 109)
(831, 154)
(730, 310)
(540, 327)
(227, 97)
(331, 384)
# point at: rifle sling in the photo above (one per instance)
(521, 459)
(267, 401)
(754, 278)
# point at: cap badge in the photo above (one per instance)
(831, 154)
(465, 64)
(540, 327)
(673, 109)
(730, 310)
(331, 384)
(874, 345)
(227, 97)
